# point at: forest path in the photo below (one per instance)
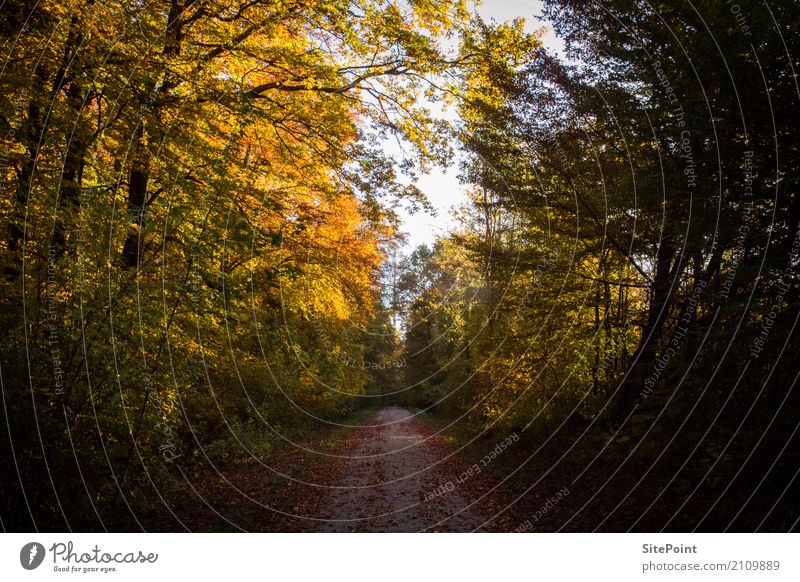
(395, 474)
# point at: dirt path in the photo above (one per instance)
(395, 477)
(393, 474)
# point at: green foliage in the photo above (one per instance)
(609, 197)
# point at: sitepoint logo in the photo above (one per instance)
(31, 555)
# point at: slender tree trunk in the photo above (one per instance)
(661, 298)
(139, 174)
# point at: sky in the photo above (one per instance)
(442, 186)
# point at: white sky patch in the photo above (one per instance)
(442, 187)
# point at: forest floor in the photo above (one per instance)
(398, 471)
(394, 473)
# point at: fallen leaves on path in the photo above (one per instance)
(392, 474)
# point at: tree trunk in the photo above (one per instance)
(644, 356)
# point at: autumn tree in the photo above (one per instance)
(195, 210)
